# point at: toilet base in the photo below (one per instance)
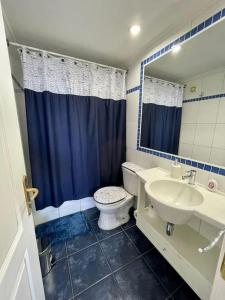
(112, 217)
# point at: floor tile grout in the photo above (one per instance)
(112, 273)
(80, 250)
(97, 241)
(176, 290)
(117, 270)
(114, 234)
(158, 279)
(131, 261)
(93, 284)
(68, 265)
(127, 235)
(114, 278)
(155, 274)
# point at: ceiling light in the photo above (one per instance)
(135, 29)
(176, 48)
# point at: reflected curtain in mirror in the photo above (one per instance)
(161, 115)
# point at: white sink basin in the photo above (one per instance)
(174, 201)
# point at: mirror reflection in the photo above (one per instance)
(183, 102)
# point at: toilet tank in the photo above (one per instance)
(130, 179)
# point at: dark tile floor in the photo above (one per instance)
(92, 264)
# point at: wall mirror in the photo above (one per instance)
(183, 99)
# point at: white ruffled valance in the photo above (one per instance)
(43, 72)
(162, 93)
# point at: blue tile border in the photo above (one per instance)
(185, 161)
(134, 89)
(188, 35)
(203, 98)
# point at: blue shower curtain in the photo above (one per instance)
(161, 115)
(76, 143)
(160, 129)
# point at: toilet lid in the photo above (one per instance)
(110, 195)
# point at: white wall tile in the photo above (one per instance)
(133, 77)
(219, 137)
(217, 156)
(69, 207)
(201, 153)
(131, 155)
(208, 111)
(132, 107)
(87, 203)
(187, 133)
(45, 215)
(190, 112)
(161, 162)
(144, 160)
(202, 177)
(185, 149)
(223, 85)
(131, 135)
(221, 112)
(212, 83)
(204, 134)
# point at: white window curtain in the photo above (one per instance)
(43, 72)
(162, 93)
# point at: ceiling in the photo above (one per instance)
(98, 30)
(201, 54)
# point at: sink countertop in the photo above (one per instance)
(212, 210)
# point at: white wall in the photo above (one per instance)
(203, 122)
(146, 160)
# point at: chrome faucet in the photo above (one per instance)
(191, 176)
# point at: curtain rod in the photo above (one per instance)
(62, 55)
(165, 80)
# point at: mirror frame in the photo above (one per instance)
(203, 26)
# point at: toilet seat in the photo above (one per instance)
(110, 195)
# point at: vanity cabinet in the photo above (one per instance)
(200, 271)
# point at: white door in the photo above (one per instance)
(20, 276)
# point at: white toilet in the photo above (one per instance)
(114, 202)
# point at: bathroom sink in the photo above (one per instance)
(174, 201)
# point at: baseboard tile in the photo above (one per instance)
(68, 207)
